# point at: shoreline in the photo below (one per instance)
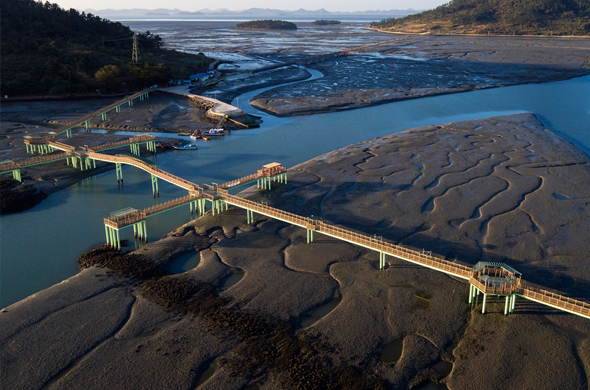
(479, 35)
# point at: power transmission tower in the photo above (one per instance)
(136, 56)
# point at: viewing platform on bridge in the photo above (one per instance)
(269, 172)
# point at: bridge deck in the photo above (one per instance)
(85, 118)
(133, 140)
(29, 162)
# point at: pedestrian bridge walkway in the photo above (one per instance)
(85, 120)
(489, 279)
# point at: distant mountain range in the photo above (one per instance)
(249, 14)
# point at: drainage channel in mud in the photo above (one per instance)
(233, 278)
(392, 351)
(320, 312)
(185, 263)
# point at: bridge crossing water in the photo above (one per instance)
(486, 279)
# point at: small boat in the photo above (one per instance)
(194, 136)
(185, 147)
(184, 134)
(216, 132)
(206, 138)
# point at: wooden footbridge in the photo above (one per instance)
(495, 279)
(489, 279)
(85, 120)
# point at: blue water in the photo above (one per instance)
(39, 247)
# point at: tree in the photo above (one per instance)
(107, 73)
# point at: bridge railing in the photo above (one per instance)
(126, 220)
(61, 146)
(132, 140)
(396, 250)
(502, 289)
(39, 139)
(170, 204)
(557, 300)
(32, 161)
(270, 211)
(83, 119)
(250, 178)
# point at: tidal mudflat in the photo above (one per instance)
(263, 308)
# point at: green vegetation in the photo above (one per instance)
(46, 50)
(267, 25)
(325, 22)
(548, 17)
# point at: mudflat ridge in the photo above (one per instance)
(266, 310)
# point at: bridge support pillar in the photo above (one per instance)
(106, 232)
(513, 303)
(16, 175)
(381, 260)
(118, 109)
(309, 236)
(140, 230)
(69, 133)
(483, 308)
(87, 124)
(119, 170)
(470, 293)
(155, 188)
(103, 116)
(135, 149)
(113, 239)
(130, 102)
(506, 306)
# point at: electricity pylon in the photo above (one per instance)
(136, 56)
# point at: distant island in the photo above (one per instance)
(47, 50)
(267, 25)
(505, 17)
(324, 22)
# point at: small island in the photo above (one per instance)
(325, 22)
(267, 25)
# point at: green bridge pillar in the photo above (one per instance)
(135, 149)
(506, 306)
(140, 230)
(250, 216)
(113, 239)
(87, 124)
(381, 260)
(483, 308)
(513, 302)
(309, 236)
(202, 207)
(119, 170)
(155, 189)
(16, 175)
(130, 102)
(471, 292)
(118, 109)
(69, 133)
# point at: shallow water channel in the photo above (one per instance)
(39, 247)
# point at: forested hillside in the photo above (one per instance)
(48, 50)
(549, 17)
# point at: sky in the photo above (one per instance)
(191, 5)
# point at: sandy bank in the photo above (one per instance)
(428, 66)
(501, 188)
